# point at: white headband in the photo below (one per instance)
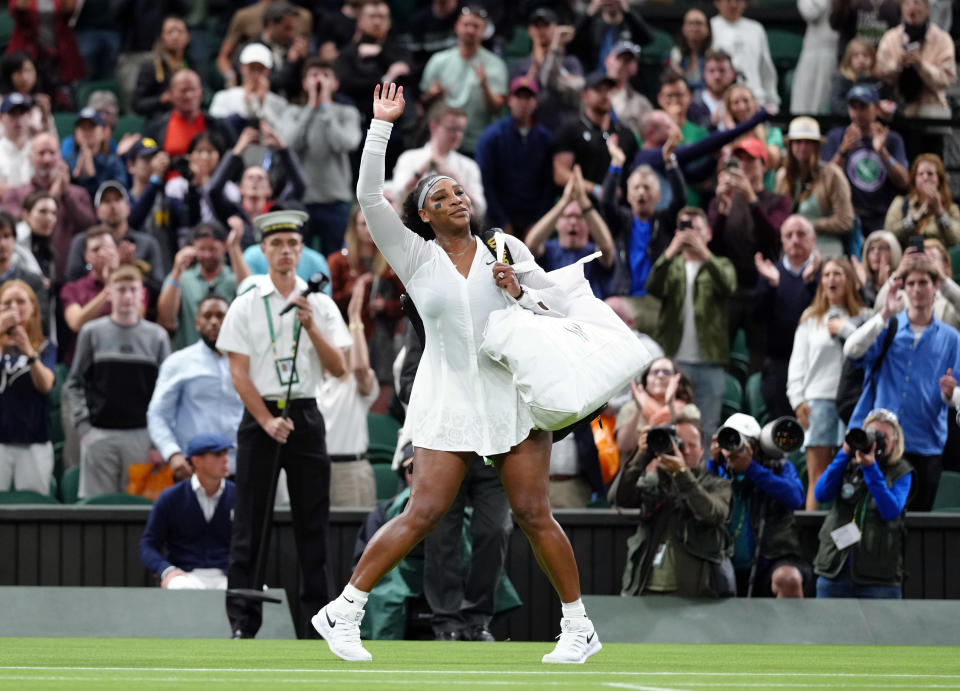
(430, 183)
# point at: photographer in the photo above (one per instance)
(765, 493)
(861, 541)
(680, 546)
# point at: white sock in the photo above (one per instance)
(572, 610)
(351, 599)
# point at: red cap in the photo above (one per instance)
(753, 146)
(523, 82)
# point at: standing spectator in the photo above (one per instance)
(87, 298)
(872, 156)
(628, 103)
(91, 166)
(12, 268)
(152, 95)
(818, 190)
(784, 290)
(192, 187)
(708, 106)
(558, 74)
(194, 393)
(813, 375)
(51, 174)
(97, 31)
(198, 272)
(28, 359)
(746, 219)
(163, 218)
(18, 74)
(323, 133)
(110, 383)
(604, 23)
(246, 25)
(745, 40)
(739, 105)
(866, 20)
(928, 208)
(253, 334)
(515, 156)
(674, 99)
(432, 30)
(692, 49)
(46, 35)
(694, 287)
(880, 480)
(287, 44)
(881, 257)
(185, 552)
(856, 67)
(817, 62)
(468, 77)
(336, 27)
(252, 99)
(16, 142)
(439, 156)
(173, 131)
(33, 234)
(915, 380)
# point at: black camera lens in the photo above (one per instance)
(659, 441)
(729, 439)
(859, 440)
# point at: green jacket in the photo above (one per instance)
(878, 558)
(715, 282)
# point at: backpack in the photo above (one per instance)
(852, 385)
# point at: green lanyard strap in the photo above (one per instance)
(273, 338)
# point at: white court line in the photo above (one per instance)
(639, 688)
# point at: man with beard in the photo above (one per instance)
(194, 392)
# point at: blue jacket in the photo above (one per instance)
(177, 524)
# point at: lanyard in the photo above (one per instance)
(273, 338)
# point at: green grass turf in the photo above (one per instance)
(117, 663)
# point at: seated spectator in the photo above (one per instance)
(515, 157)
(188, 553)
(640, 232)
(558, 74)
(34, 231)
(628, 103)
(194, 392)
(872, 156)
(661, 395)
(371, 57)
(248, 22)
(198, 272)
(162, 218)
(745, 40)
(323, 133)
(674, 100)
(51, 174)
(344, 402)
(105, 103)
(580, 231)
(604, 23)
(810, 91)
(173, 131)
(11, 267)
(18, 74)
(468, 77)
(46, 35)
(192, 186)
(110, 383)
(917, 58)
(28, 361)
(856, 67)
(692, 49)
(869, 490)
(784, 290)
(865, 20)
(252, 99)
(765, 493)
(915, 379)
(928, 208)
(16, 141)
(439, 156)
(584, 141)
(739, 105)
(89, 165)
(813, 374)
(881, 257)
(694, 287)
(708, 106)
(113, 211)
(818, 190)
(746, 219)
(380, 313)
(152, 94)
(681, 541)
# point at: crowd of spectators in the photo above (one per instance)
(721, 237)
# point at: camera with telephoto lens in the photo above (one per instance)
(862, 439)
(181, 165)
(660, 440)
(777, 439)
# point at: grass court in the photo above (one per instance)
(120, 663)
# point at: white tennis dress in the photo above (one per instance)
(461, 400)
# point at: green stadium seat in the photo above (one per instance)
(64, 123)
(955, 261)
(519, 46)
(26, 497)
(70, 485)
(755, 403)
(388, 482)
(383, 431)
(115, 499)
(740, 358)
(127, 124)
(84, 89)
(6, 28)
(732, 398)
(948, 492)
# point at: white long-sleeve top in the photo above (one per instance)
(461, 400)
(746, 42)
(816, 360)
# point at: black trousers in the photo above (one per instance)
(926, 479)
(305, 459)
(773, 386)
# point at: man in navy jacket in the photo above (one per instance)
(191, 522)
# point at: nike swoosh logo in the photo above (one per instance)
(348, 599)
(589, 638)
(490, 262)
(333, 624)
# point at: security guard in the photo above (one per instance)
(260, 343)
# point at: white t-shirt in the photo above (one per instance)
(345, 414)
(746, 42)
(689, 350)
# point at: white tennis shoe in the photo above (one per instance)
(577, 641)
(342, 634)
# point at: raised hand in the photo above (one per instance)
(617, 157)
(766, 268)
(894, 301)
(388, 104)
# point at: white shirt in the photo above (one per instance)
(815, 362)
(464, 170)
(746, 42)
(15, 166)
(689, 350)
(208, 504)
(345, 414)
(233, 101)
(246, 331)
(563, 457)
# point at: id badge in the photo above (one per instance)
(845, 535)
(285, 370)
(658, 557)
